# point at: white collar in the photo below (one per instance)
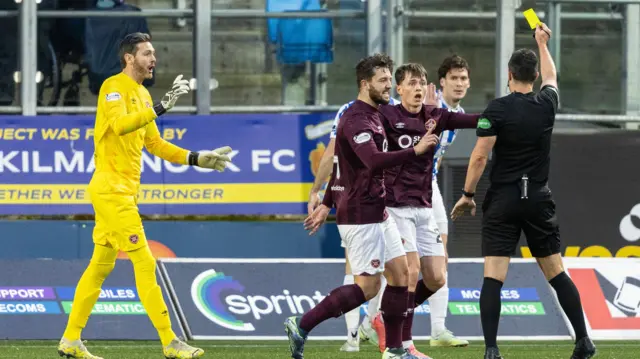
(457, 108)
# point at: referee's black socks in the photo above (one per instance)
(569, 299)
(490, 306)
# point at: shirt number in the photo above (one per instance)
(335, 162)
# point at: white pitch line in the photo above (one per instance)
(314, 345)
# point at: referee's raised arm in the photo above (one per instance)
(547, 66)
(518, 128)
(549, 85)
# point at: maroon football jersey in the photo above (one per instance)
(409, 184)
(361, 152)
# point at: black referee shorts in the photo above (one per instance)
(506, 216)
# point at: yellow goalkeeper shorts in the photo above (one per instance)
(118, 223)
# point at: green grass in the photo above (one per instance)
(314, 350)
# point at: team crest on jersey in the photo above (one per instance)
(375, 263)
(362, 138)
(429, 124)
(133, 101)
(133, 238)
(114, 96)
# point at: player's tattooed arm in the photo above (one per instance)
(316, 219)
(323, 172)
(328, 194)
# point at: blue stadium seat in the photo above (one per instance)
(301, 40)
(286, 5)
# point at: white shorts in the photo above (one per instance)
(418, 230)
(439, 211)
(370, 246)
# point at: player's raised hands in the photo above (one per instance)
(180, 87)
(316, 219)
(431, 99)
(429, 140)
(216, 159)
(543, 34)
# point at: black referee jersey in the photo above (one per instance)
(522, 124)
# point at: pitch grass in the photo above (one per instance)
(314, 350)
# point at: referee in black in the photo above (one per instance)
(518, 127)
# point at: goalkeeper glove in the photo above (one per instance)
(179, 88)
(216, 159)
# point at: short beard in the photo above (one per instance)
(377, 98)
(143, 72)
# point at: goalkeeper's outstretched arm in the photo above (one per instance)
(157, 146)
(166, 150)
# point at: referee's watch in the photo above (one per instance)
(468, 194)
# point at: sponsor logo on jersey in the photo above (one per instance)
(362, 138)
(114, 96)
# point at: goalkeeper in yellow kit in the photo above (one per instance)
(125, 122)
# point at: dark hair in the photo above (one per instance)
(129, 45)
(366, 68)
(523, 65)
(412, 69)
(450, 63)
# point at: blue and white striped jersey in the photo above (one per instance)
(446, 138)
(342, 109)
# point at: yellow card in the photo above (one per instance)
(532, 18)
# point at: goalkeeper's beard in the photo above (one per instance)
(141, 72)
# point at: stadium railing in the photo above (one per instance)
(507, 12)
(202, 15)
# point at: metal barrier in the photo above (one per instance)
(508, 11)
(202, 14)
(621, 119)
(183, 109)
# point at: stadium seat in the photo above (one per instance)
(301, 40)
(286, 5)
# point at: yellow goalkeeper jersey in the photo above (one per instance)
(124, 124)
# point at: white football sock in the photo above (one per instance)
(374, 304)
(353, 317)
(439, 303)
(407, 344)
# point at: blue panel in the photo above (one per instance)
(286, 5)
(39, 239)
(301, 40)
(73, 239)
(46, 163)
